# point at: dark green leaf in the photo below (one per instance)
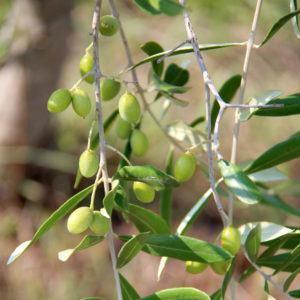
(184, 50)
(290, 279)
(282, 21)
(87, 242)
(216, 295)
(169, 7)
(176, 75)
(227, 277)
(227, 93)
(291, 107)
(128, 292)
(51, 221)
(146, 6)
(108, 201)
(174, 99)
(295, 293)
(239, 183)
(293, 7)
(178, 294)
(146, 220)
(152, 48)
(278, 154)
(197, 121)
(252, 243)
(148, 174)
(130, 249)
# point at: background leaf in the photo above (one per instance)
(170, 8)
(128, 292)
(152, 48)
(146, 6)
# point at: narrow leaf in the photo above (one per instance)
(170, 8)
(178, 294)
(108, 201)
(51, 221)
(239, 183)
(278, 154)
(130, 249)
(293, 6)
(268, 175)
(227, 277)
(174, 99)
(152, 48)
(146, 6)
(252, 243)
(216, 295)
(295, 293)
(148, 174)
(290, 279)
(227, 92)
(128, 292)
(87, 242)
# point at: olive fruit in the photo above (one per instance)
(138, 142)
(86, 65)
(185, 167)
(143, 191)
(59, 100)
(109, 88)
(123, 129)
(81, 103)
(108, 25)
(80, 219)
(195, 267)
(231, 240)
(100, 223)
(88, 163)
(220, 267)
(129, 108)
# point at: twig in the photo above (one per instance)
(103, 165)
(172, 51)
(119, 153)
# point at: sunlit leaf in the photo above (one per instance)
(268, 175)
(252, 242)
(148, 7)
(128, 291)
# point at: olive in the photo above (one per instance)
(108, 25)
(88, 163)
(100, 223)
(59, 100)
(129, 108)
(81, 103)
(80, 219)
(109, 88)
(143, 191)
(185, 167)
(138, 142)
(86, 65)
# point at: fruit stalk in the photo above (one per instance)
(103, 165)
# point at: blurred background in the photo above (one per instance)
(41, 43)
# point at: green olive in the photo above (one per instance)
(109, 88)
(123, 129)
(86, 65)
(81, 103)
(231, 240)
(143, 191)
(220, 267)
(100, 224)
(88, 163)
(185, 167)
(129, 108)
(195, 267)
(80, 219)
(108, 25)
(138, 142)
(59, 100)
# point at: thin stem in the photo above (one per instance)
(119, 153)
(96, 184)
(90, 134)
(103, 165)
(172, 51)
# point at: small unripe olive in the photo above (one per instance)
(100, 223)
(220, 267)
(108, 25)
(185, 167)
(123, 129)
(59, 100)
(129, 108)
(143, 191)
(81, 103)
(86, 65)
(80, 219)
(195, 267)
(138, 142)
(109, 88)
(88, 163)
(231, 240)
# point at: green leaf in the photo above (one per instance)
(148, 174)
(293, 7)
(130, 249)
(266, 289)
(252, 243)
(148, 7)
(295, 293)
(184, 50)
(128, 292)
(87, 242)
(290, 279)
(268, 175)
(281, 22)
(184, 248)
(216, 295)
(276, 262)
(261, 99)
(176, 75)
(174, 99)
(170, 8)
(239, 183)
(178, 294)
(291, 107)
(227, 277)
(165, 197)
(197, 121)
(93, 298)
(227, 92)
(152, 48)
(162, 86)
(278, 154)
(51, 221)
(108, 201)
(146, 220)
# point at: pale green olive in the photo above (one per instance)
(109, 88)
(88, 163)
(123, 129)
(80, 219)
(220, 267)
(108, 25)
(138, 142)
(231, 240)
(195, 267)
(185, 167)
(129, 108)
(143, 191)
(100, 224)
(86, 65)
(81, 103)
(59, 100)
